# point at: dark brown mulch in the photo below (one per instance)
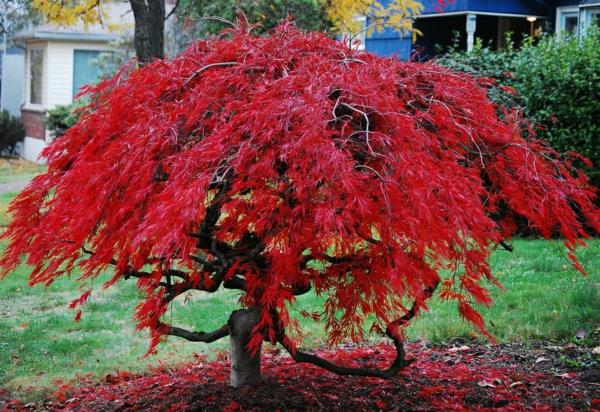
(455, 377)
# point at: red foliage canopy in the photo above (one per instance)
(276, 164)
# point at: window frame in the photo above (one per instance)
(589, 14)
(28, 102)
(562, 13)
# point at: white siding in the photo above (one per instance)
(60, 70)
(32, 148)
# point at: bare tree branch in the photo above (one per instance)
(506, 246)
(334, 260)
(298, 290)
(304, 357)
(208, 66)
(219, 19)
(399, 363)
(206, 337)
(173, 10)
(236, 282)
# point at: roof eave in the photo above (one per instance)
(65, 36)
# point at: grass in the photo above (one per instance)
(5, 199)
(15, 170)
(39, 342)
(544, 298)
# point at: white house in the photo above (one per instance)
(11, 95)
(58, 61)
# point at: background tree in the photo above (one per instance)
(15, 15)
(398, 14)
(149, 16)
(309, 14)
(279, 164)
(199, 18)
(335, 16)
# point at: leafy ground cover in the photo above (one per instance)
(476, 377)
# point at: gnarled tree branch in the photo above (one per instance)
(206, 337)
(399, 363)
(301, 289)
(506, 246)
(304, 357)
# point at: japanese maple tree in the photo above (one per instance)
(281, 164)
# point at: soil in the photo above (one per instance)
(458, 376)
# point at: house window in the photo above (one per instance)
(570, 23)
(84, 69)
(567, 20)
(36, 71)
(594, 17)
(589, 16)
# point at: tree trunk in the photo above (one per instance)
(149, 37)
(245, 367)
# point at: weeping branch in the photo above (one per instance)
(334, 260)
(208, 66)
(165, 273)
(221, 256)
(130, 273)
(304, 357)
(302, 289)
(506, 246)
(236, 282)
(173, 10)
(399, 363)
(206, 337)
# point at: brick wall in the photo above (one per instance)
(33, 122)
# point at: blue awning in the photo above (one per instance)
(538, 8)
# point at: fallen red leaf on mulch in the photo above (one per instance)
(473, 378)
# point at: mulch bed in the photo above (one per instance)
(457, 377)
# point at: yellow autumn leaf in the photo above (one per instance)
(399, 14)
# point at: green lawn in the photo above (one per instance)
(5, 199)
(15, 170)
(39, 342)
(543, 297)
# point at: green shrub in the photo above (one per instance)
(59, 119)
(557, 81)
(559, 85)
(11, 132)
